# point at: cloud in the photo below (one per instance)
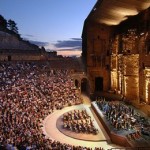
(70, 49)
(39, 43)
(28, 35)
(77, 39)
(70, 53)
(73, 43)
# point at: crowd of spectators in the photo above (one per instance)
(79, 121)
(28, 93)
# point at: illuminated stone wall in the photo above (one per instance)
(120, 54)
(129, 75)
(114, 72)
(114, 80)
(125, 75)
(97, 44)
(130, 42)
(96, 72)
(125, 65)
(98, 63)
(146, 85)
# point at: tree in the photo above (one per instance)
(12, 26)
(3, 22)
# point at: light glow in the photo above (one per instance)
(122, 12)
(147, 84)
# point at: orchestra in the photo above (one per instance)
(79, 121)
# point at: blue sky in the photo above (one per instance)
(55, 24)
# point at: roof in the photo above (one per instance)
(112, 12)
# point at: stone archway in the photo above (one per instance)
(9, 57)
(76, 83)
(98, 84)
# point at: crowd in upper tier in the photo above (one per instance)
(29, 92)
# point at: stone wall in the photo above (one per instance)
(130, 64)
(97, 60)
(8, 41)
(119, 55)
(12, 48)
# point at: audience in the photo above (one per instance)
(28, 93)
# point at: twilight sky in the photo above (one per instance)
(54, 24)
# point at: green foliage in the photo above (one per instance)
(12, 26)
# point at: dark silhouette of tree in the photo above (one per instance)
(12, 26)
(43, 48)
(3, 23)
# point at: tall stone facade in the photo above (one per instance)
(117, 57)
(130, 58)
(97, 60)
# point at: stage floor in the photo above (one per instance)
(51, 131)
(81, 136)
